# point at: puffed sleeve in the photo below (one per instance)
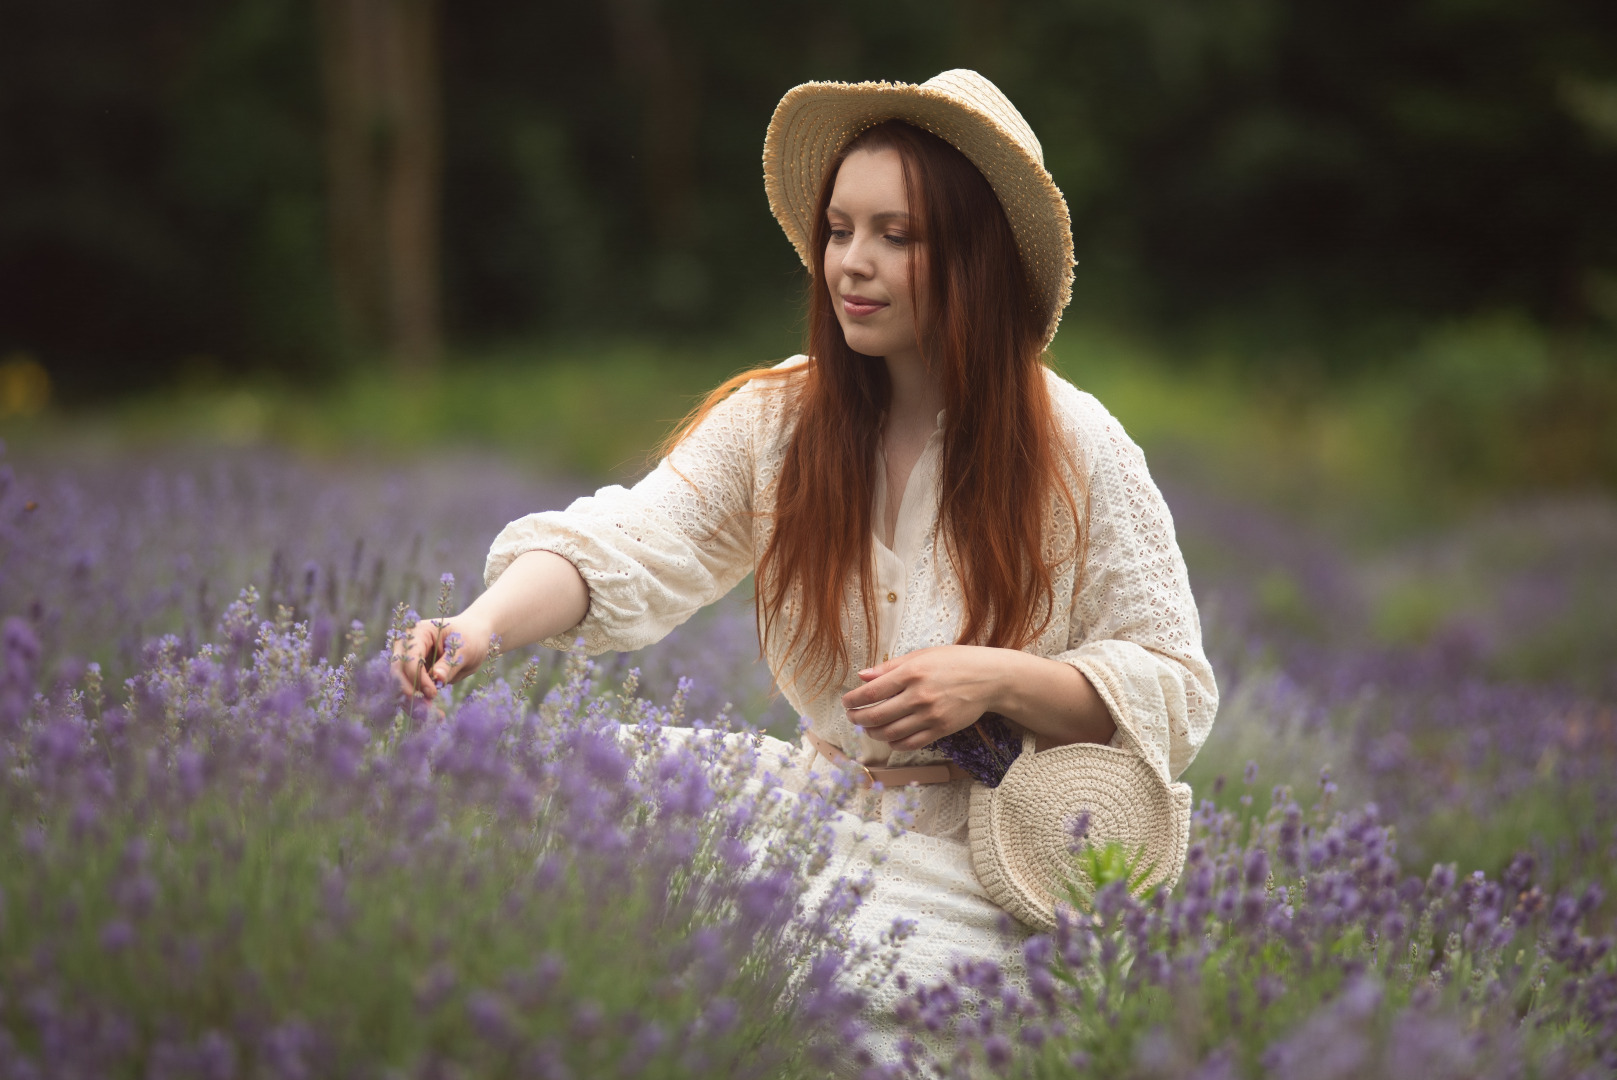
(653, 554)
(1134, 630)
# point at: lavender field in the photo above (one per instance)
(227, 851)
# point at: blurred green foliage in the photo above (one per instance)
(161, 209)
(1299, 187)
(1474, 409)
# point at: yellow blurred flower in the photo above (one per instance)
(25, 386)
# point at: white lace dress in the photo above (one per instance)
(685, 535)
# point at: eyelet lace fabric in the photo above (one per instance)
(695, 526)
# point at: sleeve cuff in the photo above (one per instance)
(525, 535)
(1138, 729)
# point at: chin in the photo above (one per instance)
(861, 340)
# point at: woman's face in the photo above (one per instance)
(867, 259)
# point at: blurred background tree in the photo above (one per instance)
(384, 166)
(199, 187)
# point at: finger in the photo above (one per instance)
(903, 731)
(468, 666)
(418, 637)
(424, 682)
(460, 658)
(430, 662)
(883, 713)
(920, 740)
(423, 651)
(408, 676)
(913, 731)
(880, 669)
(407, 668)
(881, 687)
(413, 644)
(445, 671)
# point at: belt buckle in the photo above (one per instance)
(870, 777)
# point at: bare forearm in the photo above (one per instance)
(1053, 700)
(539, 596)
(915, 699)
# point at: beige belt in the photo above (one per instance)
(941, 773)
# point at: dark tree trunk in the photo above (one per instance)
(663, 78)
(384, 167)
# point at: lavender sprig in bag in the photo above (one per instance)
(985, 749)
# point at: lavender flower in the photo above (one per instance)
(212, 794)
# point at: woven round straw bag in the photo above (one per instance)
(814, 121)
(1021, 831)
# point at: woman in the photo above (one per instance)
(953, 546)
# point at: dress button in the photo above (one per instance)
(892, 598)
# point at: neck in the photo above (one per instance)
(917, 394)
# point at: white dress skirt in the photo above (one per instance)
(913, 876)
(929, 881)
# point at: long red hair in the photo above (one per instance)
(1001, 474)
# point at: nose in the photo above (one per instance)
(856, 260)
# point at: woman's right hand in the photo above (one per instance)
(439, 652)
(539, 595)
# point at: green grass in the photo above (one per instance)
(1469, 409)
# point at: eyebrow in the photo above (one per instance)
(885, 215)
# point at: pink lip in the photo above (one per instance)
(859, 306)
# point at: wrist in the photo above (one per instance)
(474, 625)
(1053, 700)
(1014, 669)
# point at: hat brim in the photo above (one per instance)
(814, 121)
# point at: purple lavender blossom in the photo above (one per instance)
(159, 725)
(985, 749)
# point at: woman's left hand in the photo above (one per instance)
(911, 701)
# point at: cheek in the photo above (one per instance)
(833, 274)
(898, 271)
(915, 280)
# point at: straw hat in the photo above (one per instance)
(1021, 839)
(814, 121)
